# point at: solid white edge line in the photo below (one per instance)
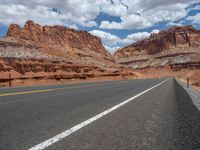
(66, 133)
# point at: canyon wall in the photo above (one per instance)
(53, 52)
(54, 43)
(177, 45)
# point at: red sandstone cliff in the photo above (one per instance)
(43, 53)
(54, 43)
(52, 52)
(56, 35)
(172, 46)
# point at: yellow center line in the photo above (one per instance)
(37, 91)
(34, 91)
(42, 91)
(27, 92)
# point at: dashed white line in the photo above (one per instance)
(66, 133)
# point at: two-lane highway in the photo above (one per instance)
(135, 114)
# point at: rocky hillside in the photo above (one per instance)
(179, 45)
(54, 43)
(36, 52)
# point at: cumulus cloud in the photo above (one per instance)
(174, 24)
(131, 21)
(70, 12)
(136, 37)
(18, 14)
(194, 19)
(112, 49)
(112, 42)
(73, 26)
(107, 38)
(166, 13)
(133, 14)
(144, 18)
(114, 8)
(196, 7)
(155, 31)
(132, 38)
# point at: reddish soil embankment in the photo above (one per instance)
(174, 52)
(38, 55)
(39, 72)
(182, 74)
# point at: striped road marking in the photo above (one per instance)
(49, 90)
(66, 133)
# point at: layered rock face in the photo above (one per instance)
(54, 43)
(57, 35)
(22, 68)
(177, 45)
(52, 52)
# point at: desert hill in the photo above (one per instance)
(53, 52)
(174, 52)
(35, 54)
(179, 45)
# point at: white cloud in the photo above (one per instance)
(166, 13)
(132, 38)
(112, 42)
(147, 18)
(133, 13)
(113, 49)
(114, 9)
(90, 23)
(73, 26)
(144, 5)
(194, 19)
(127, 22)
(110, 25)
(72, 12)
(155, 31)
(197, 7)
(107, 38)
(18, 14)
(174, 24)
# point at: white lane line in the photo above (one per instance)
(46, 86)
(56, 89)
(50, 90)
(123, 82)
(66, 133)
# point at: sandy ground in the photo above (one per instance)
(192, 74)
(33, 82)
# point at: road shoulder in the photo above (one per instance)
(192, 92)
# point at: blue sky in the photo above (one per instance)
(117, 22)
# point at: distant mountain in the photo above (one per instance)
(36, 52)
(53, 43)
(177, 45)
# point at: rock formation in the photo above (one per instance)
(53, 51)
(177, 45)
(36, 52)
(57, 35)
(55, 42)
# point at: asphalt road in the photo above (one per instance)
(162, 117)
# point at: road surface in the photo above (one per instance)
(117, 115)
